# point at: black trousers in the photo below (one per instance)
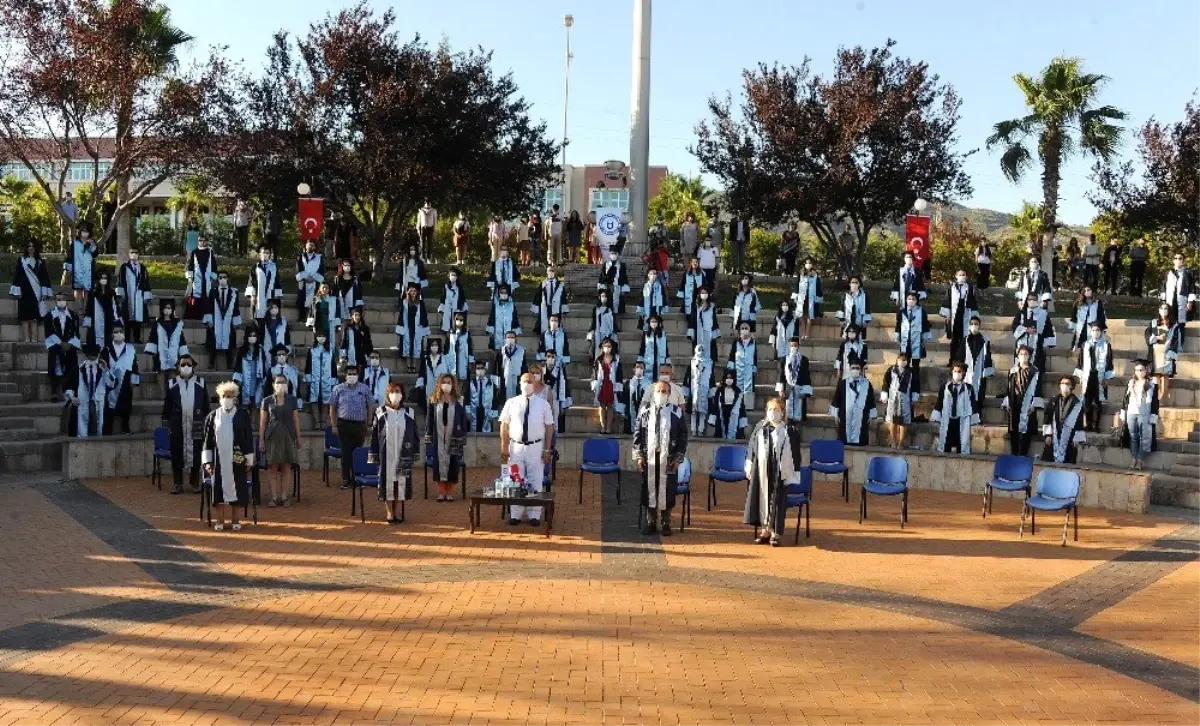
(134, 329)
(352, 435)
(177, 465)
(1091, 276)
(110, 418)
(710, 279)
(1019, 442)
(983, 280)
(1112, 275)
(1137, 274)
(243, 238)
(789, 262)
(425, 234)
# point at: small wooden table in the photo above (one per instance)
(545, 500)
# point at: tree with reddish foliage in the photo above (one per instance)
(1166, 197)
(95, 80)
(376, 125)
(858, 147)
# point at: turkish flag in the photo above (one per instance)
(916, 238)
(310, 215)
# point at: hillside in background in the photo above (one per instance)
(989, 221)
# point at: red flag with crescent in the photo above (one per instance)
(311, 218)
(916, 238)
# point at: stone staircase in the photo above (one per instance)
(1179, 485)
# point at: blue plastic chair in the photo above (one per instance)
(428, 466)
(828, 456)
(799, 497)
(1010, 474)
(887, 476)
(729, 465)
(601, 456)
(683, 487)
(162, 452)
(365, 475)
(1057, 491)
(333, 450)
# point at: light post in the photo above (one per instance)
(568, 21)
(639, 129)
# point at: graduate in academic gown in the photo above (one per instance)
(978, 362)
(31, 288)
(554, 338)
(1179, 291)
(955, 413)
(185, 408)
(960, 305)
(324, 313)
(412, 274)
(659, 445)
(460, 350)
(855, 310)
(746, 304)
(283, 368)
(900, 394)
(134, 294)
(510, 362)
(912, 330)
(1087, 310)
(166, 341)
(222, 321)
(89, 394)
(603, 325)
(454, 301)
(348, 289)
(502, 318)
(551, 301)
(689, 288)
(1064, 424)
(434, 364)
(809, 298)
(412, 326)
(62, 346)
(1032, 327)
(785, 328)
(264, 286)
(1139, 414)
(201, 274)
(121, 359)
(320, 374)
(1022, 402)
(101, 312)
(310, 273)
(704, 325)
(908, 279)
(854, 406)
(773, 462)
(1034, 282)
(1164, 342)
(356, 341)
(606, 383)
(630, 395)
(394, 447)
(727, 409)
(275, 329)
(1093, 370)
(794, 382)
(743, 361)
(227, 451)
(614, 279)
(483, 399)
(554, 377)
(81, 263)
(853, 347)
(503, 273)
(653, 299)
(699, 385)
(654, 351)
(250, 373)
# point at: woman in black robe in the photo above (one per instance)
(773, 462)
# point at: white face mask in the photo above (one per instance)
(228, 403)
(281, 388)
(446, 387)
(454, 278)
(375, 361)
(785, 309)
(119, 337)
(504, 297)
(510, 344)
(549, 275)
(60, 305)
(321, 341)
(536, 376)
(185, 371)
(395, 399)
(223, 283)
(901, 364)
(855, 373)
(664, 378)
(1064, 390)
(775, 416)
(957, 376)
(660, 399)
(1095, 335)
(480, 373)
(729, 382)
(1023, 360)
(974, 329)
(352, 379)
(962, 279)
(252, 339)
(526, 388)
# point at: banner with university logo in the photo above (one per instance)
(608, 223)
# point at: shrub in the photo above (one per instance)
(154, 235)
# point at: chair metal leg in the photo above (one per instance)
(1066, 524)
(987, 489)
(903, 509)
(862, 506)
(683, 511)
(1021, 530)
(296, 482)
(799, 511)
(846, 485)
(1032, 521)
(581, 486)
(712, 494)
(618, 485)
(425, 474)
(1076, 511)
(807, 519)
(362, 508)
(689, 507)
(401, 510)
(325, 468)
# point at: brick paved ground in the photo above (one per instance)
(123, 610)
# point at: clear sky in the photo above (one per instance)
(1150, 50)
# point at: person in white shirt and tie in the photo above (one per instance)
(526, 435)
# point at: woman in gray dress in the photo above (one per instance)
(279, 434)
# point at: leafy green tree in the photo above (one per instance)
(1063, 118)
(678, 195)
(1028, 222)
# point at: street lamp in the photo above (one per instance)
(920, 205)
(303, 189)
(568, 21)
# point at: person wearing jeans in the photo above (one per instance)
(1139, 413)
(351, 406)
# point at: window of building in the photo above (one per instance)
(609, 198)
(550, 197)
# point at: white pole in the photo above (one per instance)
(568, 22)
(639, 129)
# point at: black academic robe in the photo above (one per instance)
(173, 416)
(629, 401)
(728, 419)
(905, 281)
(356, 345)
(775, 466)
(954, 414)
(614, 277)
(661, 474)
(978, 359)
(133, 288)
(409, 451)
(483, 396)
(1064, 428)
(126, 377)
(243, 447)
(794, 384)
(1022, 401)
(1031, 285)
(960, 304)
(57, 330)
(1042, 338)
(31, 286)
(101, 306)
(854, 423)
(445, 420)
(202, 276)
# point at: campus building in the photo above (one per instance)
(591, 186)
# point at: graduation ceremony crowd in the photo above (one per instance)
(101, 339)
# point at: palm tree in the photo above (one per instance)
(1061, 102)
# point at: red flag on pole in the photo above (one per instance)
(916, 238)
(310, 215)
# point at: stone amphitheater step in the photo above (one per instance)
(43, 455)
(1185, 465)
(1175, 491)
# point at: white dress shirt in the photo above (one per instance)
(540, 417)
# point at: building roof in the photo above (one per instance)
(50, 150)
